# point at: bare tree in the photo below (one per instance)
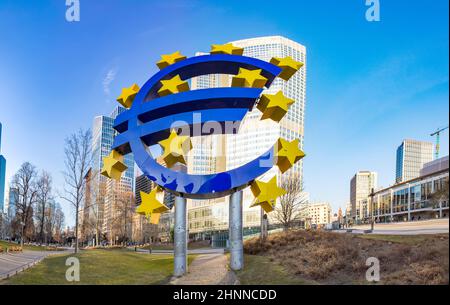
(94, 205)
(44, 195)
(440, 195)
(122, 214)
(291, 205)
(78, 159)
(24, 181)
(58, 224)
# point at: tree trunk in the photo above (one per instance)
(42, 224)
(96, 235)
(76, 228)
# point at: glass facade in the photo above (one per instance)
(12, 203)
(224, 152)
(102, 139)
(399, 164)
(411, 157)
(2, 174)
(412, 200)
(2, 182)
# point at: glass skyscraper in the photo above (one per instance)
(2, 174)
(411, 156)
(224, 152)
(12, 203)
(102, 139)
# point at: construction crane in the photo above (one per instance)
(437, 133)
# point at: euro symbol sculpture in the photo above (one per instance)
(165, 103)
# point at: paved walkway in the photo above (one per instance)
(208, 269)
(13, 263)
(193, 251)
(434, 226)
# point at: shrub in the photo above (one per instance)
(335, 258)
(15, 249)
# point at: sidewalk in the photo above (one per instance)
(208, 269)
(193, 251)
(432, 226)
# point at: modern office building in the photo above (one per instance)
(142, 230)
(13, 197)
(224, 152)
(102, 139)
(411, 156)
(414, 199)
(361, 186)
(143, 184)
(2, 174)
(206, 157)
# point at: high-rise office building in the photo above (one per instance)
(2, 174)
(143, 184)
(13, 197)
(361, 186)
(102, 139)
(411, 156)
(224, 152)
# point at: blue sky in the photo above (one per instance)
(370, 84)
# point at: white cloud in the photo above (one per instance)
(108, 79)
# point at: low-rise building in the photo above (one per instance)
(424, 197)
(319, 213)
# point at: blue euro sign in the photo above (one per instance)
(150, 119)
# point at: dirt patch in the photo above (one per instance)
(334, 258)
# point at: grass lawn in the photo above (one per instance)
(259, 270)
(5, 244)
(101, 267)
(191, 246)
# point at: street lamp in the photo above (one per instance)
(372, 194)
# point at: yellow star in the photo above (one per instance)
(227, 48)
(287, 154)
(154, 218)
(127, 96)
(266, 194)
(175, 147)
(172, 86)
(151, 207)
(249, 78)
(274, 106)
(288, 65)
(113, 166)
(170, 59)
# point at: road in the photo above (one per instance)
(13, 263)
(434, 226)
